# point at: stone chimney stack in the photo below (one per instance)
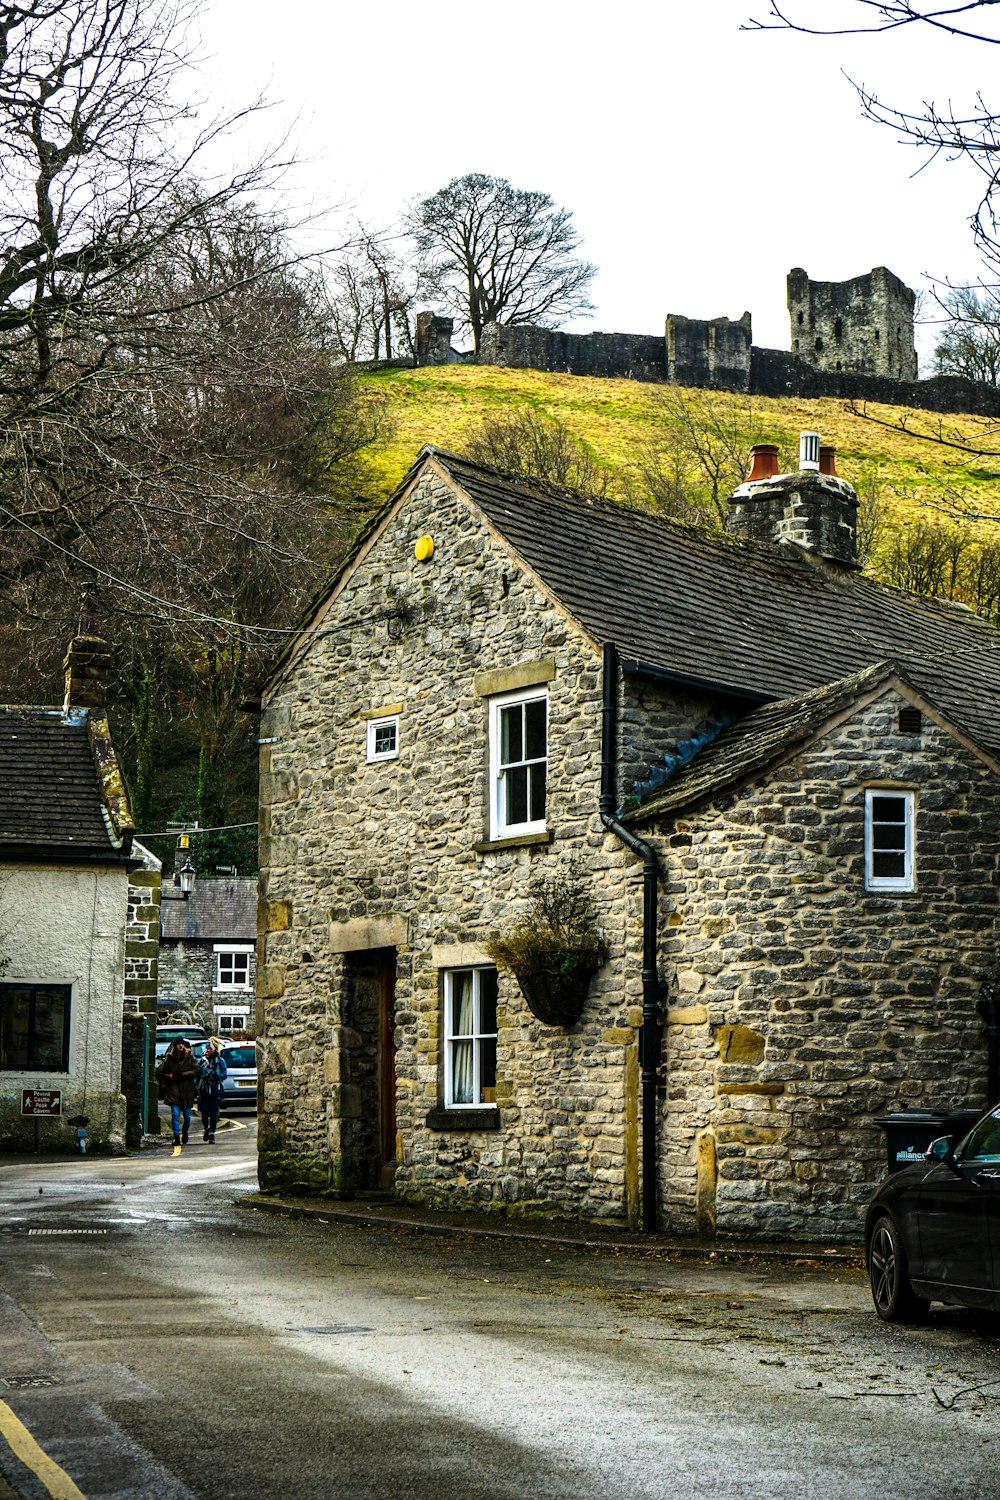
(87, 665)
(811, 508)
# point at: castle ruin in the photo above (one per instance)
(865, 324)
(849, 339)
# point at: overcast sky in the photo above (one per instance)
(700, 162)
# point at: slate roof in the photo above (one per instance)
(759, 741)
(758, 618)
(51, 800)
(216, 911)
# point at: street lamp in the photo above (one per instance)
(184, 878)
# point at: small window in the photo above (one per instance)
(233, 968)
(383, 738)
(518, 764)
(34, 1027)
(889, 840)
(470, 1038)
(838, 329)
(910, 721)
(819, 345)
(227, 1024)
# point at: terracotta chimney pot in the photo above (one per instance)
(828, 460)
(765, 462)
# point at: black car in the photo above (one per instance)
(933, 1229)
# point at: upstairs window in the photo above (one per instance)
(383, 738)
(470, 1038)
(889, 841)
(518, 763)
(232, 967)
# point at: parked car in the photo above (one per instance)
(170, 1033)
(933, 1230)
(239, 1090)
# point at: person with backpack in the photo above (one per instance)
(176, 1085)
(211, 1071)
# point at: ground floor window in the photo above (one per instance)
(34, 1027)
(470, 1028)
(227, 1024)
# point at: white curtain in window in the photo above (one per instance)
(461, 1072)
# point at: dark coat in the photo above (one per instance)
(211, 1072)
(176, 1078)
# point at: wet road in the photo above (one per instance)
(159, 1337)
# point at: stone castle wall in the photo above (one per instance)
(802, 1006)
(850, 339)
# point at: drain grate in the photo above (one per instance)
(26, 1382)
(67, 1231)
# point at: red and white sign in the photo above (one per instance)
(41, 1101)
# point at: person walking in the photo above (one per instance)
(176, 1077)
(211, 1071)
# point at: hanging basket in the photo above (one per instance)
(557, 999)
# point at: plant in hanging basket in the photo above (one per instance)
(554, 951)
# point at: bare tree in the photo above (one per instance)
(707, 454)
(970, 343)
(371, 299)
(972, 133)
(176, 439)
(539, 448)
(499, 254)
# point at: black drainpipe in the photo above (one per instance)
(649, 1039)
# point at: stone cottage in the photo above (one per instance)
(776, 780)
(207, 953)
(79, 921)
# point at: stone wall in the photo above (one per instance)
(802, 1006)
(775, 372)
(142, 952)
(626, 356)
(359, 857)
(703, 353)
(188, 974)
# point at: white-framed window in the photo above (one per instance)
(519, 736)
(232, 966)
(383, 738)
(889, 840)
(470, 1038)
(227, 1023)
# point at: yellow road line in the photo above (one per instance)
(24, 1447)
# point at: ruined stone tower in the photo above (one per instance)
(865, 324)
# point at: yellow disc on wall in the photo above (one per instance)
(424, 549)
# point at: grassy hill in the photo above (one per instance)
(622, 420)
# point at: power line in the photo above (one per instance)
(173, 833)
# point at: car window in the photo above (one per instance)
(239, 1057)
(984, 1142)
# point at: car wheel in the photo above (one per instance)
(894, 1298)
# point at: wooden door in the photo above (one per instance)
(387, 1069)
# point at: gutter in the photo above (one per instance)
(649, 1036)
